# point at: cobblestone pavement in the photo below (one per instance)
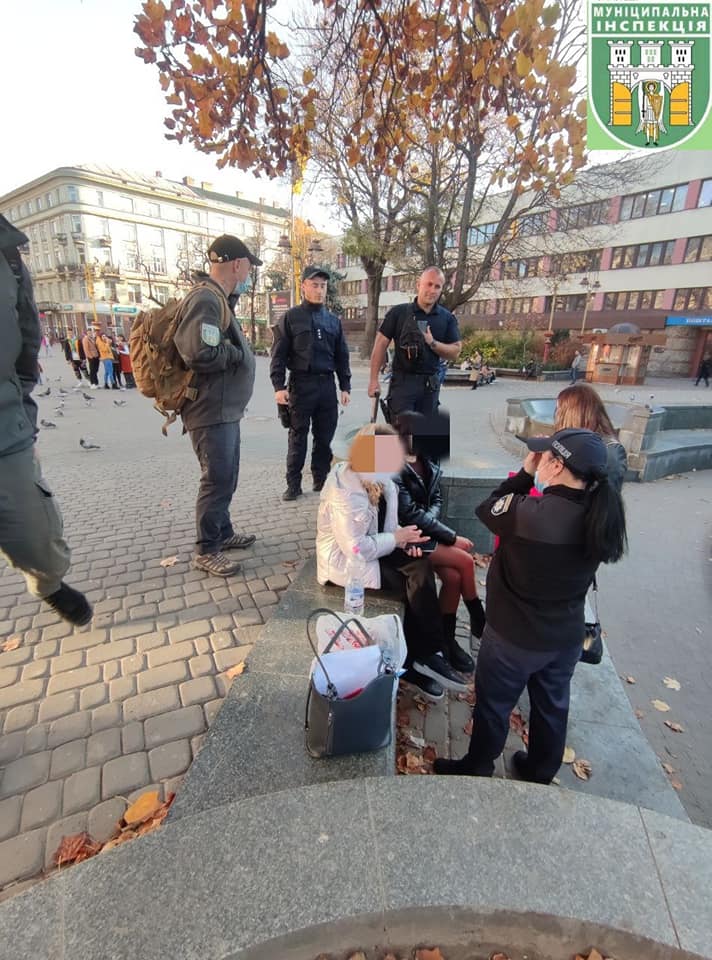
(91, 717)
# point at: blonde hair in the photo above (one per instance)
(581, 407)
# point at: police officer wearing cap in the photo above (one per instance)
(212, 345)
(310, 343)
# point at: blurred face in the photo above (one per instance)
(375, 457)
(549, 468)
(429, 287)
(314, 290)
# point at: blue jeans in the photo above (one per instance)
(217, 448)
(503, 671)
(108, 366)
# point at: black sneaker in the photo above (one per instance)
(453, 768)
(318, 486)
(430, 689)
(459, 659)
(71, 605)
(437, 668)
(291, 493)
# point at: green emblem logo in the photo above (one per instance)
(649, 76)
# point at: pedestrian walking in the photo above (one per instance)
(116, 362)
(30, 521)
(550, 548)
(703, 372)
(575, 366)
(423, 334)
(106, 356)
(124, 352)
(309, 342)
(71, 355)
(212, 344)
(91, 352)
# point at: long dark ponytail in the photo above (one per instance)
(606, 536)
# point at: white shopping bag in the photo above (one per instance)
(349, 670)
(385, 632)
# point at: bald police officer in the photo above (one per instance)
(309, 342)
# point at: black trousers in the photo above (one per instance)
(414, 392)
(217, 448)
(412, 578)
(312, 401)
(93, 370)
(503, 671)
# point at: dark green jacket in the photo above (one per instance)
(20, 339)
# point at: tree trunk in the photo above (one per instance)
(374, 277)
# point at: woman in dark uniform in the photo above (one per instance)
(550, 548)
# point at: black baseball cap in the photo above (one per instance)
(310, 272)
(582, 451)
(226, 248)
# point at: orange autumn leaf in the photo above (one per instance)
(11, 644)
(237, 670)
(144, 807)
(75, 848)
(673, 725)
(582, 769)
(429, 954)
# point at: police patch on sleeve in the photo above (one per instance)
(502, 505)
(210, 334)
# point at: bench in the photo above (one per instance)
(256, 743)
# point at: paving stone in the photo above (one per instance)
(9, 675)
(222, 622)
(143, 611)
(202, 645)
(112, 670)
(133, 664)
(132, 737)
(15, 658)
(58, 706)
(170, 759)
(68, 759)
(211, 710)
(11, 746)
(248, 618)
(122, 688)
(108, 715)
(265, 598)
(178, 724)
(41, 806)
(168, 673)
(124, 774)
(24, 773)
(104, 817)
(277, 582)
(93, 696)
(171, 653)
(150, 704)
(171, 606)
(103, 746)
(107, 606)
(82, 790)
(36, 738)
(66, 827)
(10, 811)
(46, 649)
(67, 661)
(75, 727)
(222, 640)
(35, 669)
(22, 856)
(224, 659)
(112, 651)
(82, 641)
(149, 641)
(74, 679)
(197, 691)
(57, 631)
(201, 666)
(21, 693)
(187, 631)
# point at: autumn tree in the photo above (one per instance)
(484, 86)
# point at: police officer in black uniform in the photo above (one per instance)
(310, 343)
(423, 334)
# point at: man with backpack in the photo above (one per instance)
(30, 521)
(423, 334)
(213, 347)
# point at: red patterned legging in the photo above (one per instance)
(456, 569)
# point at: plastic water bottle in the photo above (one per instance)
(355, 584)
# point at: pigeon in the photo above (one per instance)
(88, 444)
(119, 403)
(47, 424)
(88, 397)
(45, 393)
(63, 392)
(58, 379)
(58, 412)
(78, 387)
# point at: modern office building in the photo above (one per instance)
(628, 241)
(102, 241)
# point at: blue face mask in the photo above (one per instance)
(540, 484)
(242, 287)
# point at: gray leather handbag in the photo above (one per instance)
(360, 723)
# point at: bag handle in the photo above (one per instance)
(594, 597)
(343, 624)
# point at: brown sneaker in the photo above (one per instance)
(238, 541)
(216, 563)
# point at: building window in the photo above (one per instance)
(695, 298)
(110, 290)
(653, 202)
(532, 224)
(179, 216)
(76, 223)
(134, 292)
(192, 216)
(577, 261)
(49, 197)
(73, 194)
(698, 248)
(125, 203)
(705, 194)
(40, 203)
(481, 234)
(583, 215)
(161, 293)
(100, 198)
(154, 209)
(643, 255)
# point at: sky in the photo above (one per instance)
(80, 95)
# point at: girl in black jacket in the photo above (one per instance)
(420, 503)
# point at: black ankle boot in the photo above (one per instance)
(477, 616)
(71, 605)
(448, 768)
(455, 655)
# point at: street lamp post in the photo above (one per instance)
(286, 245)
(548, 336)
(591, 287)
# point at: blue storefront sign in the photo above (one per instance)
(688, 321)
(125, 311)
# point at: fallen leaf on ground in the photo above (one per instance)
(123, 837)
(74, 849)
(569, 755)
(359, 955)
(169, 561)
(165, 504)
(429, 754)
(593, 955)
(499, 956)
(676, 784)
(420, 705)
(677, 727)
(582, 769)
(668, 768)
(429, 954)
(660, 705)
(518, 725)
(143, 808)
(639, 714)
(237, 670)
(671, 683)
(468, 728)
(11, 644)
(630, 679)
(556, 781)
(416, 741)
(402, 720)
(482, 559)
